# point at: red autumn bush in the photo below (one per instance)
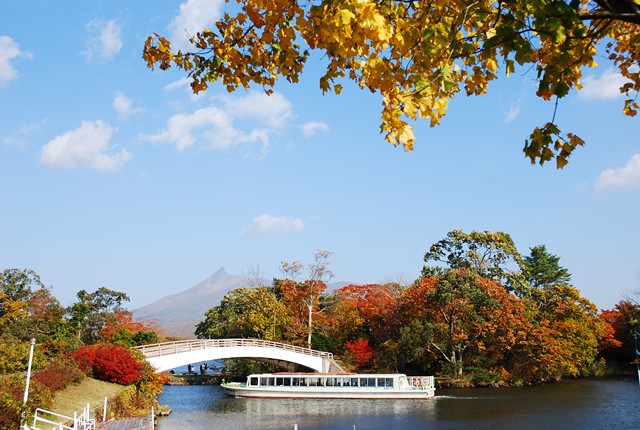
(59, 374)
(85, 356)
(110, 363)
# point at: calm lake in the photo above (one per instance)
(576, 404)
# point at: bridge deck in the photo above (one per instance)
(160, 349)
(156, 353)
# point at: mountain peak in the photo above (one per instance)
(178, 313)
(221, 273)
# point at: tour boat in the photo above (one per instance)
(332, 386)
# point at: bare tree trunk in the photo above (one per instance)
(310, 307)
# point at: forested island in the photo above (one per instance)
(478, 314)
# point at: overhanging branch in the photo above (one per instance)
(633, 18)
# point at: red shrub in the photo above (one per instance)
(116, 364)
(85, 356)
(110, 363)
(59, 374)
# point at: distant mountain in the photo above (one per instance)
(179, 313)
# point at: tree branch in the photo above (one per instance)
(633, 18)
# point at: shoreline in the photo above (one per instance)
(440, 382)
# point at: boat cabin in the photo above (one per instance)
(391, 381)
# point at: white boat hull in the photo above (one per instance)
(241, 390)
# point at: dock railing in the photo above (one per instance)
(56, 421)
(166, 348)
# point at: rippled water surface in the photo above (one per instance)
(582, 404)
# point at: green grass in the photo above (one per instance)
(75, 397)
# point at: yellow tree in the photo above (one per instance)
(418, 55)
(564, 337)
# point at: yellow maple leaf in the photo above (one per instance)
(345, 16)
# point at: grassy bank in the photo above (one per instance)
(75, 397)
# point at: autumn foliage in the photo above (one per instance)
(363, 353)
(110, 363)
(121, 329)
(417, 56)
(59, 374)
(11, 395)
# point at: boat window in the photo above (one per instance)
(267, 382)
(355, 382)
(253, 381)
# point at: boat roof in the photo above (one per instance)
(320, 375)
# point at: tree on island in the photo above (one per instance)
(418, 55)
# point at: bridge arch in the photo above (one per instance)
(169, 355)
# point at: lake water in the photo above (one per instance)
(577, 404)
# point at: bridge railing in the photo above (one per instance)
(167, 348)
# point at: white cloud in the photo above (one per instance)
(86, 147)
(512, 113)
(603, 87)
(20, 137)
(266, 223)
(9, 50)
(273, 110)
(627, 176)
(179, 84)
(124, 105)
(210, 124)
(313, 127)
(194, 16)
(216, 127)
(104, 40)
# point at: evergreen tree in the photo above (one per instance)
(543, 269)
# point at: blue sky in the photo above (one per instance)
(115, 176)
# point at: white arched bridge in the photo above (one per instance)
(169, 355)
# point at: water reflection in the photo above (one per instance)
(588, 404)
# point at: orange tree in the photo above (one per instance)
(564, 337)
(467, 321)
(343, 321)
(378, 307)
(417, 55)
(121, 329)
(624, 320)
